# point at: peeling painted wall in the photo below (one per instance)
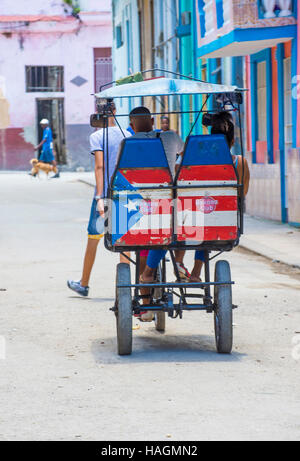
(4, 105)
(263, 198)
(46, 44)
(293, 167)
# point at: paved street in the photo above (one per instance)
(62, 379)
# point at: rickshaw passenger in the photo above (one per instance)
(222, 123)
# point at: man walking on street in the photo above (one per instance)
(46, 144)
(96, 221)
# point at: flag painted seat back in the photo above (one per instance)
(207, 211)
(141, 206)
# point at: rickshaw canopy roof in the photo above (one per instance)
(165, 87)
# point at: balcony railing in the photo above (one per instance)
(275, 8)
(209, 16)
(247, 14)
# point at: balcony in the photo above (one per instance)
(235, 28)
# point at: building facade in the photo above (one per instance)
(259, 38)
(252, 44)
(145, 39)
(52, 60)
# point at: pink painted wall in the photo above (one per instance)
(68, 43)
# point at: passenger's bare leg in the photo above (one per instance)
(144, 291)
(146, 277)
(89, 259)
(195, 274)
(123, 258)
(179, 256)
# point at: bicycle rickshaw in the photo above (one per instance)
(201, 208)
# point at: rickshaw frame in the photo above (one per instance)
(168, 289)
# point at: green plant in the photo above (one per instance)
(74, 5)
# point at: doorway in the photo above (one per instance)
(53, 110)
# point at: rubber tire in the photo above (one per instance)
(223, 308)
(124, 310)
(160, 321)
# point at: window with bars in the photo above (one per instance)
(44, 78)
(262, 101)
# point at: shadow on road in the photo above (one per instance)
(164, 348)
(94, 300)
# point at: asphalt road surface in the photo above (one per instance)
(61, 378)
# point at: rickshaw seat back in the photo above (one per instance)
(141, 213)
(207, 199)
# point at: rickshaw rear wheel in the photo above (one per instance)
(223, 308)
(124, 310)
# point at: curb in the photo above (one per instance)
(84, 181)
(268, 256)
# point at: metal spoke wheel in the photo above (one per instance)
(124, 310)
(160, 316)
(223, 308)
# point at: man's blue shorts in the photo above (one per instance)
(47, 156)
(96, 223)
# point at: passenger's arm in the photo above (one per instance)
(178, 161)
(242, 161)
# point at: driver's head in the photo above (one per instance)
(141, 120)
(222, 123)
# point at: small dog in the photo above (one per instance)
(45, 167)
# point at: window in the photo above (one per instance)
(288, 125)
(103, 68)
(44, 78)
(261, 101)
(119, 36)
(219, 11)
(186, 18)
(262, 106)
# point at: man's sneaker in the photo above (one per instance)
(183, 272)
(57, 175)
(76, 286)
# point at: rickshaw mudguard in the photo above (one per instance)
(207, 192)
(140, 205)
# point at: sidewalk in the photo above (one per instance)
(274, 240)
